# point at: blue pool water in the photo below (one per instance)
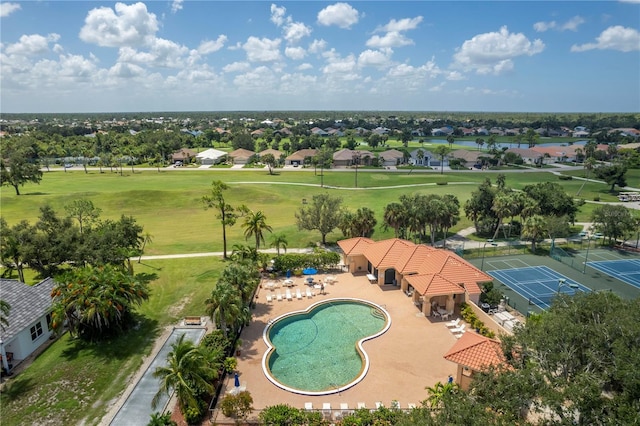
(319, 351)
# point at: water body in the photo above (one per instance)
(499, 145)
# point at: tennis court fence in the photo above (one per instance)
(562, 256)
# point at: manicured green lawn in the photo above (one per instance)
(74, 383)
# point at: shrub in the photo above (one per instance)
(596, 198)
(442, 183)
(237, 406)
(565, 177)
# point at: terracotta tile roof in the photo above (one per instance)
(433, 285)
(409, 258)
(476, 352)
(385, 254)
(413, 258)
(354, 246)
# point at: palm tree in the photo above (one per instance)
(504, 205)
(4, 314)
(224, 305)
(279, 240)
(534, 228)
(439, 391)
(159, 419)
(187, 373)
(479, 142)
(394, 217)
(450, 140)
(147, 238)
(255, 223)
(442, 152)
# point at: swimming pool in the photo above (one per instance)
(319, 351)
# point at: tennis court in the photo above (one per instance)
(626, 270)
(537, 284)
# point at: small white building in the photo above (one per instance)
(211, 156)
(29, 319)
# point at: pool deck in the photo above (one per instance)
(403, 361)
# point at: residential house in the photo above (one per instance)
(284, 132)
(298, 158)
(29, 319)
(422, 157)
(318, 131)
(257, 133)
(467, 132)
(391, 157)
(428, 275)
(183, 154)
(474, 353)
(276, 154)
(442, 131)
(469, 158)
(529, 156)
(211, 156)
(346, 157)
(241, 156)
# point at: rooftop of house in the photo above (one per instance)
(476, 352)
(28, 303)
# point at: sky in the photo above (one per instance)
(177, 55)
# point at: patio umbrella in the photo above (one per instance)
(288, 273)
(309, 271)
(236, 380)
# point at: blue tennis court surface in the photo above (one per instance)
(538, 284)
(627, 270)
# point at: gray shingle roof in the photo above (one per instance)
(28, 303)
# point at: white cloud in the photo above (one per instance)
(342, 15)
(162, 53)
(390, 39)
(455, 76)
(211, 46)
(305, 66)
(295, 53)
(613, 38)
(32, 45)
(336, 64)
(317, 46)
(401, 25)
(176, 6)
(295, 31)
(437, 88)
(544, 26)
(260, 78)
(7, 9)
(494, 52)
(571, 25)
(237, 67)
(428, 70)
(277, 15)
(126, 26)
(262, 49)
(375, 58)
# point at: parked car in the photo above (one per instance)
(598, 235)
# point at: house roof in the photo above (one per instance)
(28, 303)
(391, 153)
(525, 152)
(347, 154)
(409, 258)
(241, 153)
(184, 153)
(433, 285)
(465, 154)
(302, 154)
(211, 153)
(276, 154)
(476, 352)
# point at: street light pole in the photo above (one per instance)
(483, 246)
(586, 257)
(356, 161)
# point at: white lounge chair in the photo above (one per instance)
(308, 406)
(361, 405)
(379, 404)
(326, 410)
(395, 405)
(298, 294)
(459, 335)
(459, 329)
(411, 406)
(279, 297)
(453, 324)
(309, 294)
(288, 293)
(269, 298)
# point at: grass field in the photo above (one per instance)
(74, 383)
(168, 204)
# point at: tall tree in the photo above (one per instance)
(534, 229)
(614, 221)
(226, 213)
(441, 151)
(613, 175)
(224, 305)
(187, 373)
(270, 161)
(84, 212)
(323, 215)
(394, 217)
(97, 302)
(17, 170)
(255, 223)
(279, 241)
